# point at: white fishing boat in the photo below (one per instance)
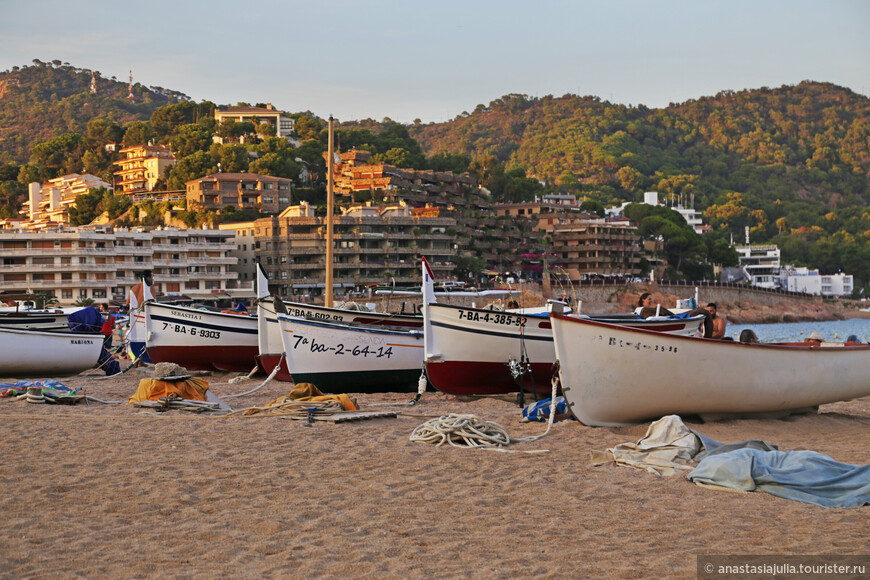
(270, 345)
(200, 339)
(34, 353)
(49, 319)
(474, 351)
(346, 357)
(613, 376)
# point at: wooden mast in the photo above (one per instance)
(328, 289)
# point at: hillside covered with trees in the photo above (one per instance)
(790, 163)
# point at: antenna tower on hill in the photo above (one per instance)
(93, 84)
(130, 94)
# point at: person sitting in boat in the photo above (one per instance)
(645, 309)
(814, 339)
(748, 336)
(853, 339)
(719, 323)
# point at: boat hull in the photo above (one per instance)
(469, 350)
(46, 321)
(200, 339)
(33, 354)
(271, 348)
(342, 358)
(615, 376)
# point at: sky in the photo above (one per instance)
(434, 60)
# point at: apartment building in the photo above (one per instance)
(354, 172)
(285, 127)
(761, 262)
(799, 279)
(142, 166)
(246, 257)
(103, 263)
(241, 190)
(48, 204)
(372, 245)
(603, 246)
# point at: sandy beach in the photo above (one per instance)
(117, 491)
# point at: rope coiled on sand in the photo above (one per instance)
(461, 431)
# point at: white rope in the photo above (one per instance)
(470, 431)
(261, 385)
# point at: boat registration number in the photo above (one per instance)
(342, 350)
(201, 332)
(492, 318)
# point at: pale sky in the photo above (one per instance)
(432, 60)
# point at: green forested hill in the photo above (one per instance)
(45, 100)
(808, 141)
(790, 163)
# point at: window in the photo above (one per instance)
(83, 293)
(66, 294)
(212, 284)
(99, 292)
(267, 199)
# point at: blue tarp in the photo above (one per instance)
(87, 319)
(540, 411)
(805, 476)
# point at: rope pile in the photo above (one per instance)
(470, 431)
(286, 407)
(461, 431)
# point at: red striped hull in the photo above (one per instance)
(267, 363)
(486, 378)
(206, 358)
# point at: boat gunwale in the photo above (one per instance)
(835, 347)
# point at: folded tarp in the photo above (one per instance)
(667, 449)
(193, 388)
(805, 476)
(309, 392)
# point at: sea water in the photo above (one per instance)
(832, 331)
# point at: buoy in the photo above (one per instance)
(835, 335)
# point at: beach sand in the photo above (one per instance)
(117, 491)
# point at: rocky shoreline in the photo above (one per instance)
(748, 312)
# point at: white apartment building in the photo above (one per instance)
(762, 263)
(102, 263)
(48, 204)
(799, 279)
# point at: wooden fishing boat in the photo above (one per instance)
(473, 351)
(342, 357)
(271, 347)
(612, 375)
(200, 339)
(34, 353)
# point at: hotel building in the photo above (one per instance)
(102, 263)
